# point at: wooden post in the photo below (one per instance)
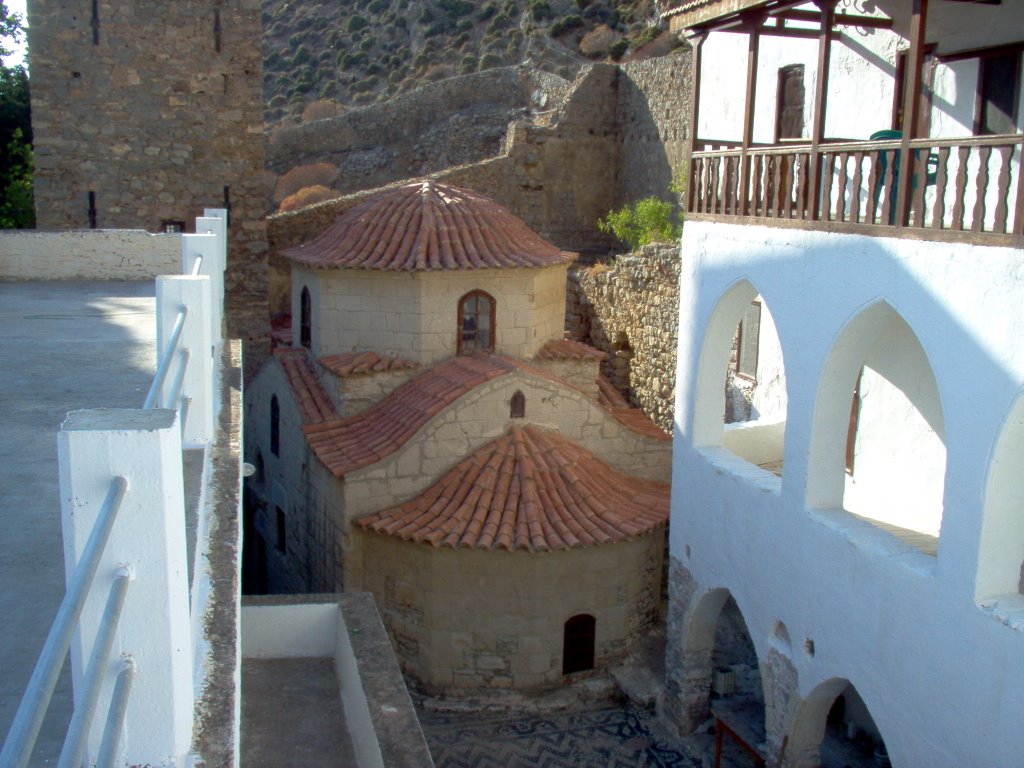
(696, 39)
(828, 9)
(753, 24)
(911, 110)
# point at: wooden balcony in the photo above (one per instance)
(959, 189)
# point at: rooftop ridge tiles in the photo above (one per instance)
(427, 226)
(548, 494)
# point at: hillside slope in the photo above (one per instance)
(323, 56)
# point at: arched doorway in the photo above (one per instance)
(579, 635)
(832, 728)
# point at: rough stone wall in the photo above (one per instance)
(631, 311)
(96, 254)
(440, 125)
(653, 108)
(155, 108)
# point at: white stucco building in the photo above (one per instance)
(865, 526)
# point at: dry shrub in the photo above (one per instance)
(311, 175)
(599, 41)
(321, 109)
(306, 196)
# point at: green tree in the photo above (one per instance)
(646, 221)
(16, 162)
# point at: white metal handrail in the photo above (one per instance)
(29, 719)
(166, 356)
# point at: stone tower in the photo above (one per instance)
(147, 112)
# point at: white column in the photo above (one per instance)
(172, 293)
(206, 247)
(149, 538)
(215, 221)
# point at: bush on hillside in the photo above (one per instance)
(306, 196)
(321, 109)
(311, 175)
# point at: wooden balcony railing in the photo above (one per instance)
(972, 186)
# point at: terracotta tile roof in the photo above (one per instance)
(531, 490)
(427, 226)
(354, 363)
(633, 419)
(315, 404)
(347, 444)
(608, 395)
(567, 349)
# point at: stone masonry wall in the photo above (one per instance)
(156, 109)
(653, 107)
(631, 311)
(437, 126)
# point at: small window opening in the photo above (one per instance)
(789, 109)
(92, 210)
(306, 319)
(275, 426)
(517, 408)
(281, 542)
(747, 337)
(258, 475)
(476, 323)
(172, 226)
(998, 94)
(217, 30)
(578, 644)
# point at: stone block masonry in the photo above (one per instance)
(631, 311)
(146, 113)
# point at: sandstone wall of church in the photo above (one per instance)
(631, 311)
(477, 619)
(155, 109)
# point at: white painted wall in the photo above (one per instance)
(941, 674)
(100, 254)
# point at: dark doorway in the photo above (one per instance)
(578, 644)
(789, 112)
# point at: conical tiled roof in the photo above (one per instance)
(428, 226)
(531, 490)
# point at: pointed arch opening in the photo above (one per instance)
(741, 402)
(305, 318)
(275, 426)
(517, 406)
(1001, 548)
(722, 668)
(476, 323)
(878, 433)
(833, 726)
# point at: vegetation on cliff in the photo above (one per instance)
(334, 55)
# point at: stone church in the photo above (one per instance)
(427, 434)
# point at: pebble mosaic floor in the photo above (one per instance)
(610, 737)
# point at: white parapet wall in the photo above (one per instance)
(89, 254)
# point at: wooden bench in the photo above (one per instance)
(727, 722)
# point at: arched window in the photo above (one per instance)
(275, 426)
(517, 409)
(578, 644)
(476, 323)
(305, 318)
(258, 476)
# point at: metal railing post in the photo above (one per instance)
(172, 293)
(149, 538)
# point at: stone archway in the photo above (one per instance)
(833, 718)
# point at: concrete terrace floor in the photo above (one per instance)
(63, 347)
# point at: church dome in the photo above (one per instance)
(428, 226)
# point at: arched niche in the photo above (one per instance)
(878, 433)
(719, 660)
(1001, 546)
(742, 363)
(833, 712)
